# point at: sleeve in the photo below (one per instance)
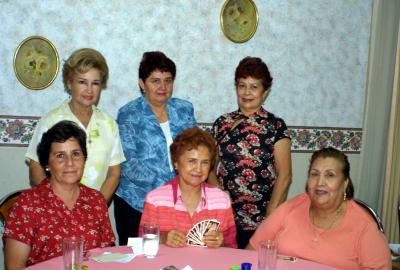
(107, 234)
(21, 223)
(230, 232)
(117, 153)
(192, 119)
(281, 130)
(374, 250)
(270, 227)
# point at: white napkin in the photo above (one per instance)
(396, 250)
(114, 257)
(136, 243)
(187, 267)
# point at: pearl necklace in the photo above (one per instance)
(318, 235)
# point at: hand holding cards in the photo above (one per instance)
(195, 236)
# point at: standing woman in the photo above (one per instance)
(148, 126)
(254, 151)
(85, 74)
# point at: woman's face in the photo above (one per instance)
(85, 88)
(193, 167)
(250, 94)
(157, 87)
(66, 162)
(326, 183)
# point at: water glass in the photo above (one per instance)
(72, 252)
(267, 255)
(151, 240)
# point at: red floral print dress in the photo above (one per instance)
(41, 220)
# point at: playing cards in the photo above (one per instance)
(197, 232)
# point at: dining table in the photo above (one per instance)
(195, 257)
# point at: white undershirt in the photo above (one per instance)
(167, 134)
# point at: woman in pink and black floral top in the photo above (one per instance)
(254, 151)
(59, 206)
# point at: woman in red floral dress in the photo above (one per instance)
(59, 206)
(254, 151)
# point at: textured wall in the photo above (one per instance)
(317, 51)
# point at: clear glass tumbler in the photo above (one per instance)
(73, 252)
(151, 240)
(267, 255)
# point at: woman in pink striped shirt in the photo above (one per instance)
(186, 200)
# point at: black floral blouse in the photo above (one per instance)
(247, 169)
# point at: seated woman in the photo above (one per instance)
(60, 206)
(324, 224)
(187, 199)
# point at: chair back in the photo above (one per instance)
(6, 203)
(372, 212)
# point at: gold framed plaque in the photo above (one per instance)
(36, 62)
(239, 20)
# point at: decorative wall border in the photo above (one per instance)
(16, 131)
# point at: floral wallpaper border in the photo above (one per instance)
(16, 131)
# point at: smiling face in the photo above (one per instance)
(85, 88)
(157, 88)
(250, 94)
(326, 183)
(193, 167)
(66, 162)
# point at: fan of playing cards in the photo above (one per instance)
(197, 232)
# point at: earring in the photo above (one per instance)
(344, 196)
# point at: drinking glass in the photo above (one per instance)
(72, 252)
(267, 255)
(151, 240)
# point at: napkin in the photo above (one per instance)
(136, 243)
(395, 248)
(187, 267)
(114, 257)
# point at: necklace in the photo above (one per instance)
(318, 235)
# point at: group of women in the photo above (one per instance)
(164, 169)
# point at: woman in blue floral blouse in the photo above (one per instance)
(254, 151)
(147, 128)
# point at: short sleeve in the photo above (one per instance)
(21, 225)
(281, 130)
(374, 249)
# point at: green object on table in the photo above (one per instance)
(234, 267)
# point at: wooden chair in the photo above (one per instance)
(6, 203)
(372, 212)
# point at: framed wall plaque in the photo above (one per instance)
(239, 20)
(36, 62)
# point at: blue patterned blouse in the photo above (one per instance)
(145, 147)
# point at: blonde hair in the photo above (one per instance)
(81, 61)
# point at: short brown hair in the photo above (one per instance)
(190, 139)
(81, 61)
(253, 67)
(331, 152)
(152, 61)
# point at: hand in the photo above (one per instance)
(214, 239)
(175, 238)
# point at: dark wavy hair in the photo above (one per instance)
(152, 61)
(192, 138)
(331, 152)
(60, 132)
(253, 67)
